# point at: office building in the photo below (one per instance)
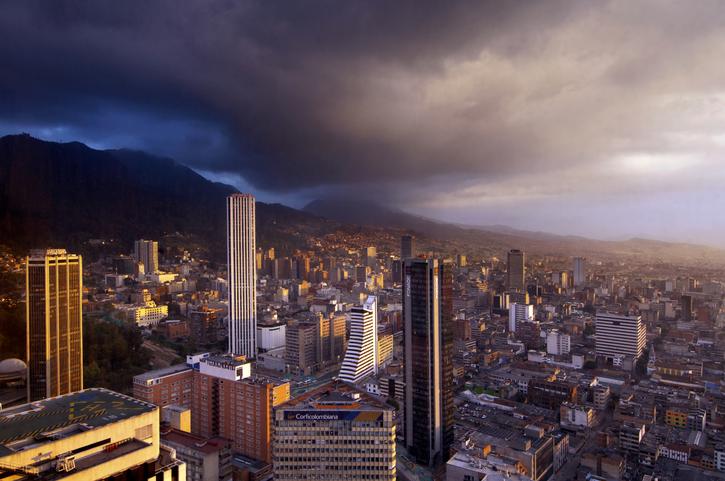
(242, 275)
(361, 357)
(54, 323)
(301, 347)
(407, 246)
(231, 403)
(580, 275)
(85, 435)
(519, 313)
(516, 270)
(147, 252)
(206, 459)
(334, 432)
(620, 336)
(427, 315)
(461, 260)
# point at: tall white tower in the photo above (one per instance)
(361, 357)
(147, 251)
(242, 274)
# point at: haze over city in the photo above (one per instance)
(598, 119)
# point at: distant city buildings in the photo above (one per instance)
(428, 316)
(242, 274)
(54, 323)
(407, 246)
(516, 270)
(580, 275)
(361, 357)
(147, 253)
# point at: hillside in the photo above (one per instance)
(65, 193)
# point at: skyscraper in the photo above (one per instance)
(516, 270)
(242, 274)
(361, 357)
(619, 335)
(53, 313)
(580, 275)
(371, 257)
(407, 246)
(147, 251)
(427, 313)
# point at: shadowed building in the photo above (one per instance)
(428, 313)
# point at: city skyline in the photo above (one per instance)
(549, 118)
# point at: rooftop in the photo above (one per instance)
(165, 371)
(336, 394)
(63, 416)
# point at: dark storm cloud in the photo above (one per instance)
(322, 94)
(276, 79)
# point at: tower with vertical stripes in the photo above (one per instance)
(242, 275)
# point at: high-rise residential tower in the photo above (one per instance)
(361, 357)
(516, 270)
(242, 275)
(427, 314)
(53, 313)
(619, 335)
(580, 275)
(147, 252)
(407, 246)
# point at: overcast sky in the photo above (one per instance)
(604, 119)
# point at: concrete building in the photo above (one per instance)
(271, 336)
(167, 386)
(301, 347)
(558, 343)
(205, 459)
(242, 275)
(428, 316)
(54, 323)
(619, 335)
(516, 270)
(467, 466)
(85, 435)
(575, 415)
(519, 313)
(231, 403)
(147, 252)
(361, 357)
(334, 432)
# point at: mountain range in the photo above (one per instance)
(65, 193)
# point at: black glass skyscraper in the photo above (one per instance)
(427, 313)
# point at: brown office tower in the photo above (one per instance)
(54, 344)
(231, 403)
(428, 312)
(516, 270)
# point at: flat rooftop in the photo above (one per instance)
(164, 371)
(62, 416)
